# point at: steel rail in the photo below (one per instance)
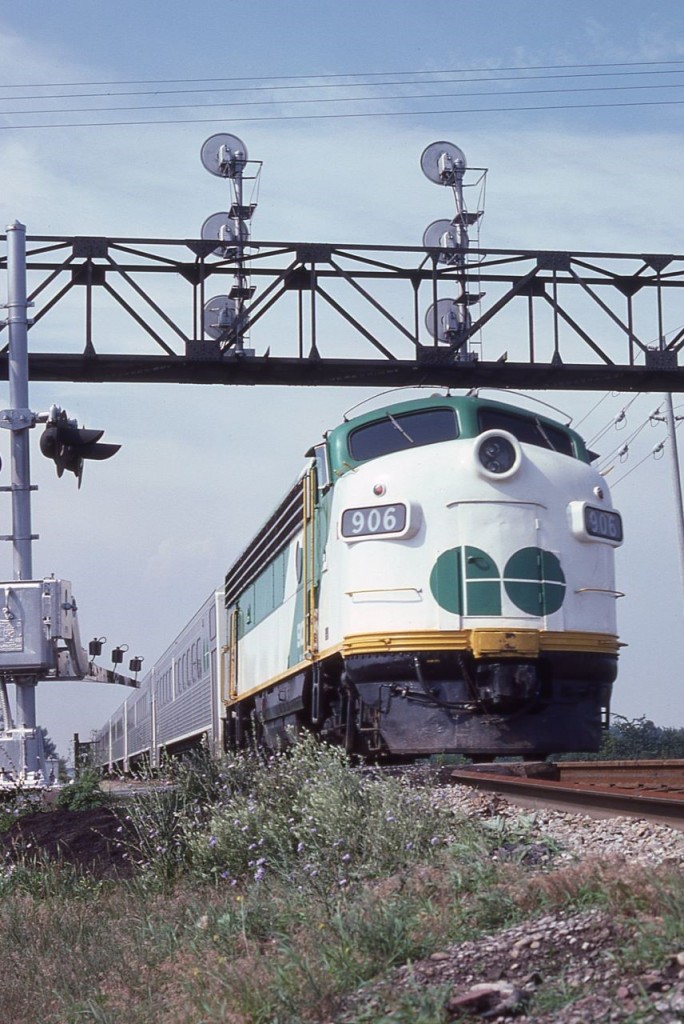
(559, 795)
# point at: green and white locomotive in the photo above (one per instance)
(439, 579)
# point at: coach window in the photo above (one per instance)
(401, 431)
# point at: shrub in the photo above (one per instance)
(309, 814)
(85, 792)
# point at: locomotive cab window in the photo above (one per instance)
(322, 467)
(527, 429)
(400, 431)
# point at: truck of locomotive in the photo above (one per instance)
(439, 579)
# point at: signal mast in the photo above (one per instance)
(449, 320)
(225, 317)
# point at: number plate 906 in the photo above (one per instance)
(377, 520)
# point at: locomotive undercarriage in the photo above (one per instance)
(404, 705)
(451, 702)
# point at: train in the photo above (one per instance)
(439, 580)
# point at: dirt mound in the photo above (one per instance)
(94, 840)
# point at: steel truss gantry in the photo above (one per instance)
(345, 315)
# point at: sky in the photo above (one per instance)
(103, 112)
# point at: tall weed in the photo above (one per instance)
(308, 814)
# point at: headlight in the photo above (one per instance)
(497, 454)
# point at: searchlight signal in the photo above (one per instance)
(69, 445)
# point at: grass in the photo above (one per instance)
(16, 804)
(270, 889)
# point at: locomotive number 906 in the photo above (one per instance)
(374, 520)
(600, 522)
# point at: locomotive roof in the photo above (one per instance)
(467, 409)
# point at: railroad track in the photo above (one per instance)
(640, 789)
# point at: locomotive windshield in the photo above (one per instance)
(528, 429)
(394, 433)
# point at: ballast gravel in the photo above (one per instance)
(500, 977)
(576, 835)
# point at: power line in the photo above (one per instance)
(593, 409)
(347, 116)
(616, 419)
(346, 85)
(333, 99)
(345, 75)
(623, 447)
(652, 454)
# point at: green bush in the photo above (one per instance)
(632, 740)
(85, 792)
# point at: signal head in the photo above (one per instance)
(68, 445)
(224, 155)
(443, 162)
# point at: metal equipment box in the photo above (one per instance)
(34, 614)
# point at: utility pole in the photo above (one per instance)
(676, 479)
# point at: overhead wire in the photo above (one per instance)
(277, 86)
(261, 87)
(623, 446)
(255, 119)
(347, 75)
(659, 447)
(593, 409)
(329, 99)
(624, 443)
(616, 419)
(655, 451)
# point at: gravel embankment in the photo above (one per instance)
(574, 956)
(576, 835)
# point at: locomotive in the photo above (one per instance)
(439, 579)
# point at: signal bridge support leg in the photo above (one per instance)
(17, 324)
